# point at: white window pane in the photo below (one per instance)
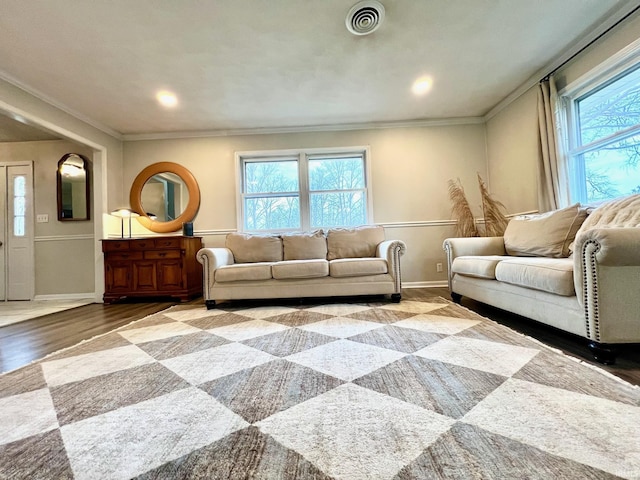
(337, 209)
(20, 186)
(271, 177)
(18, 227)
(271, 213)
(613, 170)
(336, 173)
(19, 205)
(610, 109)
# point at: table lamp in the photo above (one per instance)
(123, 213)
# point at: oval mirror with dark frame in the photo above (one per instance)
(73, 188)
(166, 195)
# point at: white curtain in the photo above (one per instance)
(552, 184)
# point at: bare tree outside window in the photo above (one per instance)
(274, 201)
(609, 139)
(337, 195)
(275, 191)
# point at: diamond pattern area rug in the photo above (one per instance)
(419, 389)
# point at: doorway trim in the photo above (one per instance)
(99, 184)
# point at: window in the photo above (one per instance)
(303, 190)
(19, 205)
(604, 150)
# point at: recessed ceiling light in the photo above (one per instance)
(422, 85)
(167, 99)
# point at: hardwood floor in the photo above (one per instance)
(24, 342)
(30, 340)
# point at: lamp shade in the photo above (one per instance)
(124, 213)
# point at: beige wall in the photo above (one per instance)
(410, 169)
(512, 154)
(512, 134)
(62, 249)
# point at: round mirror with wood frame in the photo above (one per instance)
(188, 213)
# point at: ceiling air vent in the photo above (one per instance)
(365, 17)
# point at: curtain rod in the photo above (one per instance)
(546, 77)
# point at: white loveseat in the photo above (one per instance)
(344, 262)
(593, 292)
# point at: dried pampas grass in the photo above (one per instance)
(495, 221)
(461, 211)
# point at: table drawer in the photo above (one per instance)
(142, 244)
(124, 256)
(162, 254)
(115, 245)
(168, 242)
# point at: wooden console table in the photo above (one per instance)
(152, 267)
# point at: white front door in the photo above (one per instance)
(16, 251)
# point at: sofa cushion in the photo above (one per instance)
(356, 267)
(300, 269)
(355, 242)
(248, 248)
(545, 235)
(243, 271)
(480, 266)
(303, 246)
(553, 275)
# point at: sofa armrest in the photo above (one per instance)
(462, 246)
(211, 259)
(391, 251)
(616, 246)
(606, 273)
(474, 246)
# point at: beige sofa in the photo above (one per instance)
(591, 289)
(344, 262)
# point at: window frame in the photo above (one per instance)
(302, 157)
(616, 67)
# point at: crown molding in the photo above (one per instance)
(629, 9)
(441, 122)
(60, 106)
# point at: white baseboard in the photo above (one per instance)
(67, 296)
(436, 284)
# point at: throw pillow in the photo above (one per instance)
(304, 246)
(544, 235)
(354, 242)
(248, 248)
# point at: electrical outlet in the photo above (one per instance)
(42, 218)
(438, 267)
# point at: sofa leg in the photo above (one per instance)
(395, 297)
(211, 304)
(603, 353)
(456, 297)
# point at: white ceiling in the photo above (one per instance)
(265, 64)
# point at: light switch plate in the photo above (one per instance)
(42, 218)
